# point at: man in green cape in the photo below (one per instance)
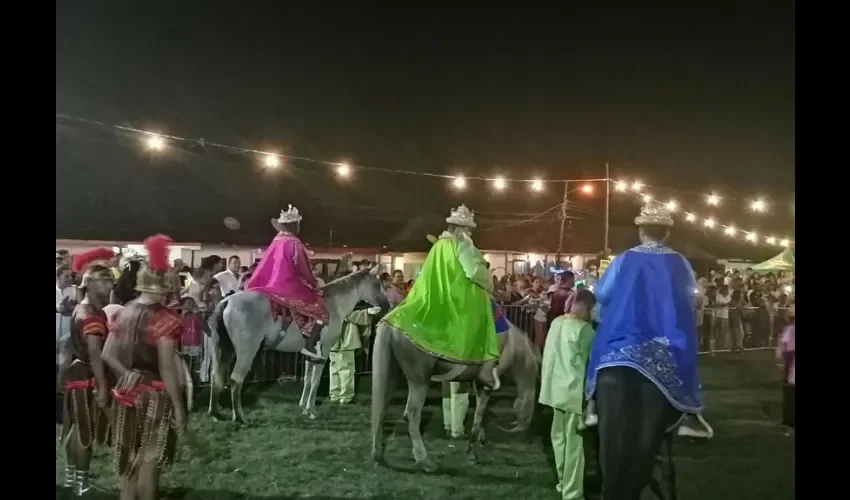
(449, 311)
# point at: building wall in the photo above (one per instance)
(501, 262)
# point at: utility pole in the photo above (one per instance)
(563, 220)
(607, 207)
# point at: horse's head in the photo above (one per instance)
(359, 285)
(369, 288)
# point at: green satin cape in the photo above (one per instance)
(445, 313)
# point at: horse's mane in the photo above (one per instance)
(345, 283)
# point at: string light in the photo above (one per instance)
(709, 223)
(758, 206)
(272, 161)
(156, 142)
(343, 169)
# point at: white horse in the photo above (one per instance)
(243, 321)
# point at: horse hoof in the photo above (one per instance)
(313, 415)
(217, 417)
(428, 466)
(472, 458)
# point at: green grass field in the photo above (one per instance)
(283, 455)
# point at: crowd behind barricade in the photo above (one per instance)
(734, 310)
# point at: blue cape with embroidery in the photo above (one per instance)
(648, 323)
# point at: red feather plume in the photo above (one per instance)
(157, 248)
(82, 260)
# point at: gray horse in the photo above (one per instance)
(241, 322)
(394, 350)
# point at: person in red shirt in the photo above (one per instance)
(563, 295)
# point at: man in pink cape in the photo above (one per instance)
(285, 276)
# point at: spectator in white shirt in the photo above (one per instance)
(66, 294)
(228, 280)
(721, 317)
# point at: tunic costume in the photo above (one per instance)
(143, 431)
(78, 382)
(562, 387)
(285, 275)
(357, 326)
(449, 312)
(144, 412)
(76, 376)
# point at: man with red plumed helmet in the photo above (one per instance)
(150, 410)
(83, 375)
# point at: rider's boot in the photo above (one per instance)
(490, 375)
(311, 348)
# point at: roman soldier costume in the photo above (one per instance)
(144, 432)
(85, 421)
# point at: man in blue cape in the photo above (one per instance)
(642, 370)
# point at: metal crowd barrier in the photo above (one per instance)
(746, 328)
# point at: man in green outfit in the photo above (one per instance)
(449, 312)
(562, 387)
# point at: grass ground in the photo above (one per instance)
(283, 455)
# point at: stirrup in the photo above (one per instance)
(707, 432)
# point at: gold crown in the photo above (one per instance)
(654, 213)
(462, 216)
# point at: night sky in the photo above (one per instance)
(684, 97)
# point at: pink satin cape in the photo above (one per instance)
(286, 277)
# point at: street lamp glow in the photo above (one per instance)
(713, 199)
(690, 217)
(343, 169)
(784, 243)
(499, 183)
(758, 205)
(537, 185)
(770, 241)
(752, 237)
(637, 186)
(156, 143)
(272, 161)
(708, 222)
(620, 186)
(587, 188)
(730, 231)
(647, 198)
(459, 182)
(672, 205)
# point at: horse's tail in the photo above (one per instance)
(221, 339)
